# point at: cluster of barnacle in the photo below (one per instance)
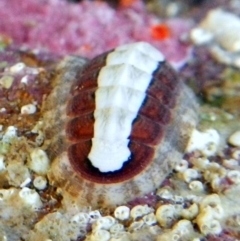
(177, 216)
(23, 170)
(17, 75)
(182, 208)
(204, 193)
(14, 169)
(125, 223)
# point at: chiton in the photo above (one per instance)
(116, 124)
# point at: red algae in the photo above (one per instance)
(161, 32)
(60, 27)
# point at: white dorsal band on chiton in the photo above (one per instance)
(122, 84)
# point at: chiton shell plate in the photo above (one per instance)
(116, 124)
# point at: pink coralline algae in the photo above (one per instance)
(87, 28)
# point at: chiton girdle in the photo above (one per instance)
(130, 96)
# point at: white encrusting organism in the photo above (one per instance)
(206, 142)
(39, 161)
(30, 197)
(122, 85)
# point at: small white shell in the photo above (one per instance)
(82, 218)
(150, 219)
(164, 193)
(234, 139)
(25, 182)
(196, 186)
(140, 210)
(214, 203)
(94, 215)
(24, 79)
(122, 213)
(28, 109)
(104, 223)
(181, 166)
(206, 222)
(191, 212)
(165, 215)
(40, 182)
